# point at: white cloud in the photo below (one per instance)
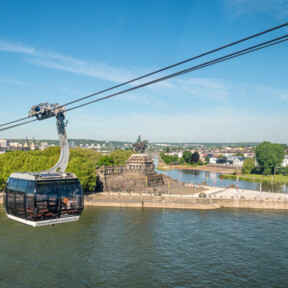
(9, 81)
(70, 64)
(240, 7)
(145, 98)
(67, 63)
(212, 89)
(15, 47)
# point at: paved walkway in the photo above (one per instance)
(242, 194)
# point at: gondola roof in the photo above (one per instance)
(42, 176)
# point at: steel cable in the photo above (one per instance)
(157, 71)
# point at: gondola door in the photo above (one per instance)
(47, 200)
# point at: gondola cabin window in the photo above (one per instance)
(30, 199)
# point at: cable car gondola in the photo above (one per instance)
(46, 197)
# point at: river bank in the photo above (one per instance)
(276, 179)
(211, 198)
(144, 200)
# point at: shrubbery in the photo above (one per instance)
(82, 162)
(167, 159)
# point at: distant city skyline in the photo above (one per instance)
(58, 52)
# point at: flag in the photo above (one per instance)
(221, 178)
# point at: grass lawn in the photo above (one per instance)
(278, 179)
(163, 168)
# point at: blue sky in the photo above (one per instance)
(58, 51)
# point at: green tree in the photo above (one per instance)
(248, 166)
(200, 162)
(194, 158)
(120, 157)
(167, 159)
(207, 159)
(82, 162)
(106, 161)
(269, 156)
(186, 156)
(2, 184)
(85, 171)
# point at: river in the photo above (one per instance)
(131, 247)
(212, 179)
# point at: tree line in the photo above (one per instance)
(83, 163)
(187, 157)
(269, 157)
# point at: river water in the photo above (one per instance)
(134, 247)
(212, 179)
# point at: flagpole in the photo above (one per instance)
(237, 187)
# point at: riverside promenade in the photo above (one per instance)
(244, 198)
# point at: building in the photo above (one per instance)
(3, 146)
(213, 160)
(135, 176)
(34, 145)
(44, 144)
(285, 161)
(233, 161)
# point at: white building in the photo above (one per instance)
(44, 144)
(3, 146)
(4, 143)
(212, 160)
(238, 162)
(15, 145)
(179, 154)
(285, 161)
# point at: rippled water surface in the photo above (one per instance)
(110, 247)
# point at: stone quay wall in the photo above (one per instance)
(145, 200)
(252, 204)
(112, 199)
